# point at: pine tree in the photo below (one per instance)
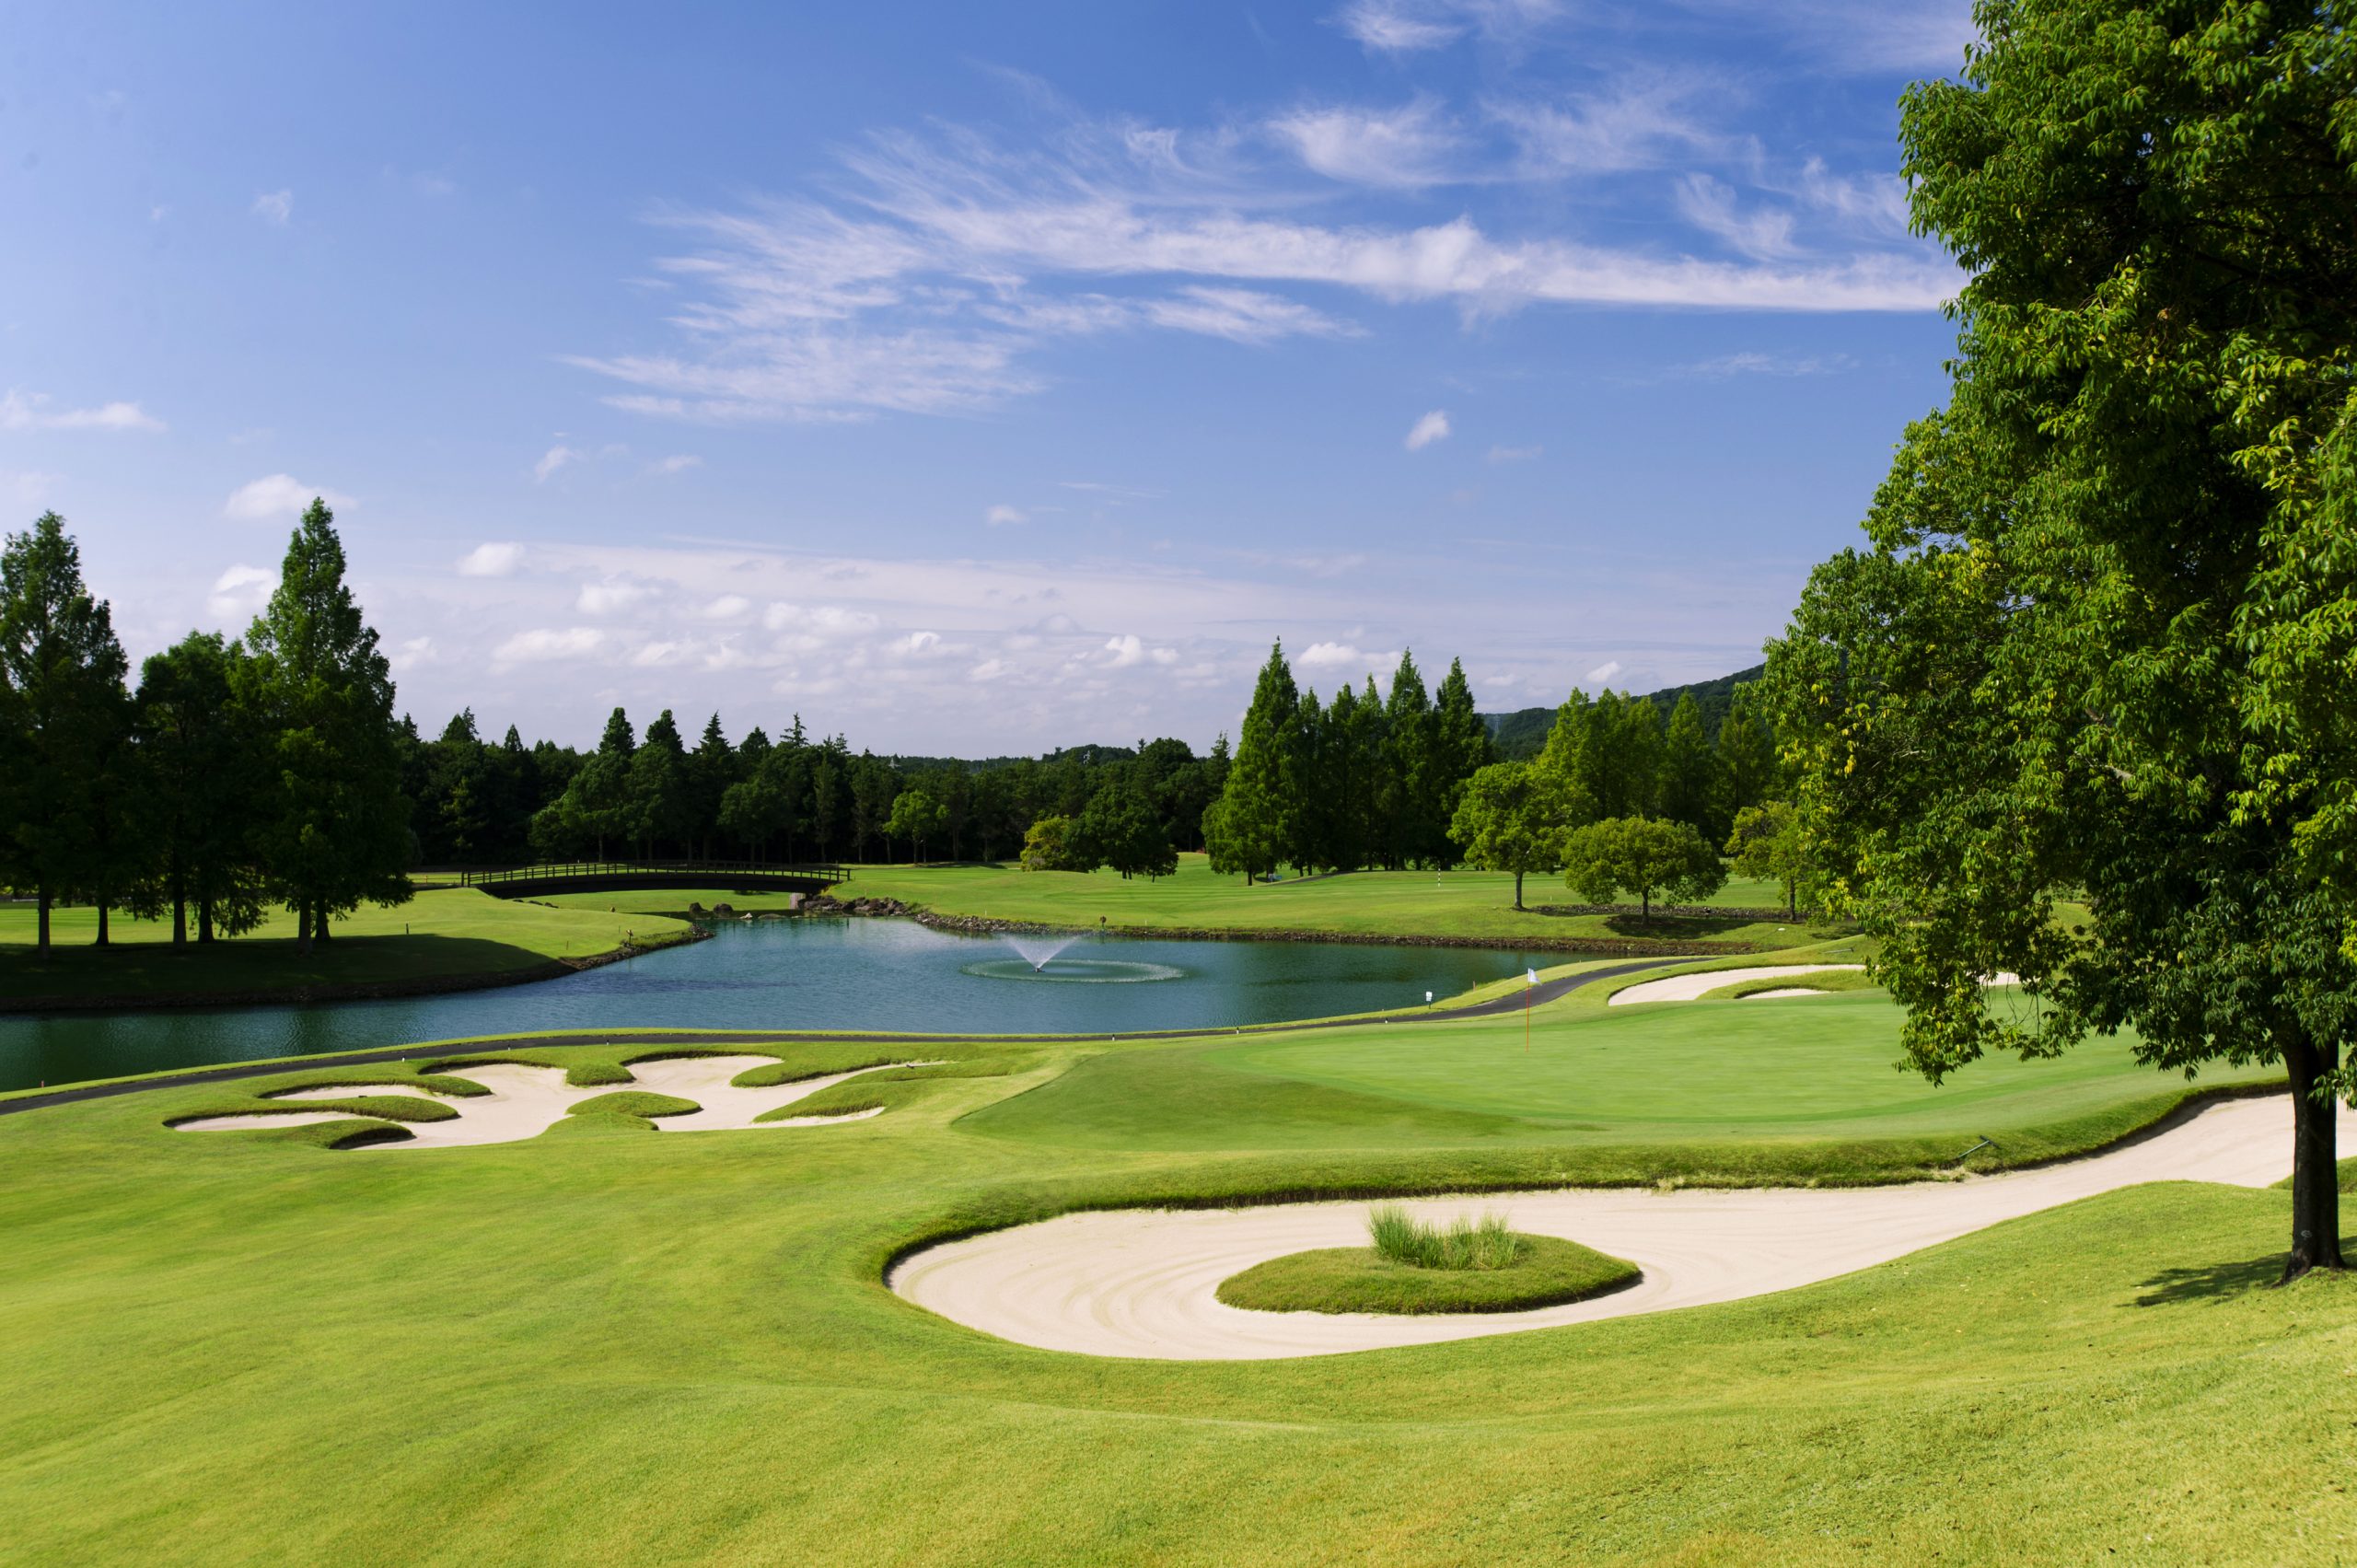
(1748, 771)
(1460, 748)
(68, 714)
(335, 822)
(1248, 830)
(1406, 799)
(1688, 790)
(200, 780)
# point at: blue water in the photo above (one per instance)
(798, 974)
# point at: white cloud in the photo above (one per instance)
(1605, 672)
(917, 644)
(22, 411)
(947, 262)
(727, 607)
(553, 460)
(1130, 649)
(279, 496)
(1637, 122)
(1750, 362)
(274, 207)
(412, 652)
(1403, 27)
(1432, 427)
(1408, 147)
(680, 463)
(609, 596)
(491, 561)
(1349, 660)
(1711, 205)
(240, 593)
(1513, 454)
(989, 670)
(1001, 514)
(543, 644)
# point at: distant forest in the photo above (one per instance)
(1521, 735)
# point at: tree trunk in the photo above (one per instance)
(100, 939)
(2315, 1178)
(303, 926)
(319, 922)
(203, 922)
(179, 913)
(1645, 904)
(1517, 889)
(44, 921)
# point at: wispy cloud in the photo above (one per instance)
(1407, 27)
(278, 495)
(1751, 363)
(274, 206)
(1432, 427)
(1411, 146)
(947, 262)
(553, 460)
(1513, 454)
(1000, 516)
(31, 411)
(240, 593)
(678, 463)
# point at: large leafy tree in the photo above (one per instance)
(2098, 648)
(1510, 817)
(333, 823)
(67, 717)
(1643, 856)
(1688, 790)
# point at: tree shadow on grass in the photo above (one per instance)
(2211, 1282)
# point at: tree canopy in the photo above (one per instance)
(2097, 645)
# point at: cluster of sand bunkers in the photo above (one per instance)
(527, 1100)
(1145, 1282)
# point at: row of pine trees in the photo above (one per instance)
(1368, 781)
(231, 775)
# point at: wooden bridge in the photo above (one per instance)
(630, 876)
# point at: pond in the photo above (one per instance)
(801, 974)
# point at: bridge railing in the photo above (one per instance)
(720, 871)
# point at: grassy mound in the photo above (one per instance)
(635, 1102)
(1538, 1270)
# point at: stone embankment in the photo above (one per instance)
(990, 925)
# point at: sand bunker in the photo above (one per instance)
(1780, 991)
(1142, 1283)
(1689, 987)
(526, 1101)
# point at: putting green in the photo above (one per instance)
(1814, 1067)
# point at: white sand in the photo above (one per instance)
(1141, 1282)
(1780, 991)
(1688, 987)
(526, 1101)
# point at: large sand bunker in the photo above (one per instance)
(526, 1101)
(1691, 987)
(1141, 1282)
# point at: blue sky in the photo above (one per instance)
(969, 378)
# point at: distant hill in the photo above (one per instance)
(1523, 732)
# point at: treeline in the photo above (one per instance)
(231, 776)
(1409, 779)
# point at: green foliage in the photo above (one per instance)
(1510, 818)
(2088, 649)
(915, 817)
(1542, 1271)
(333, 824)
(1401, 1237)
(1121, 830)
(1768, 841)
(64, 728)
(1642, 855)
(1249, 830)
(1048, 846)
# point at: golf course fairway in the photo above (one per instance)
(601, 1345)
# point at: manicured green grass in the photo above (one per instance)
(1464, 904)
(1536, 1270)
(633, 1102)
(1698, 1084)
(1401, 1237)
(585, 1348)
(440, 934)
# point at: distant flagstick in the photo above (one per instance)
(1529, 987)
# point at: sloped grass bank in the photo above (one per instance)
(1545, 1271)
